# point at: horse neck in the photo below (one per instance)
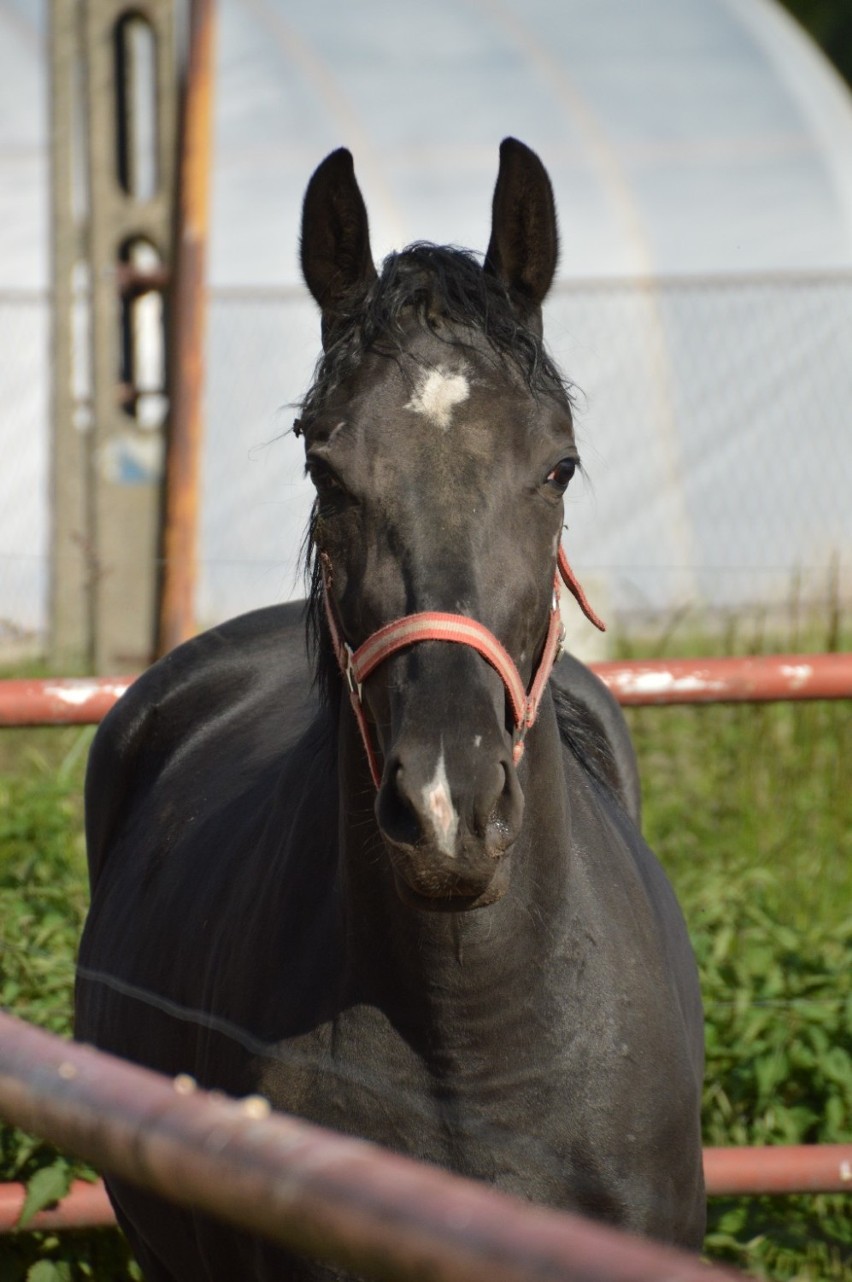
(391, 944)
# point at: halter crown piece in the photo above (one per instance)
(356, 665)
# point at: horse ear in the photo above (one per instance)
(524, 245)
(336, 258)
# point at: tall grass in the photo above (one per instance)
(749, 809)
(43, 902)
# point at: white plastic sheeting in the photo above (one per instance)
(684, 137)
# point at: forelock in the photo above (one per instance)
(444, 290)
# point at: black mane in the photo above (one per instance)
(439, 286)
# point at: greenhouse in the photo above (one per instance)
(699, 154)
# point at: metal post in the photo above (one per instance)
(128, 453)
(113, 130)
(176, 622)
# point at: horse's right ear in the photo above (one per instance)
(337, 262)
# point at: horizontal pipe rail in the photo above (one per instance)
(761, 678)
(59, 701)
(85, 1206)
(636, 683)
(778, 1169)
(315, 1192)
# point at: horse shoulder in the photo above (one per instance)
(599, 720)
(220, 686)
(630, 910)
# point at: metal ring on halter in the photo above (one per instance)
(348, 667)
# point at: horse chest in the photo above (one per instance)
(496, 1090)
(419, 1085)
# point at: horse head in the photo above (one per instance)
(439, 437)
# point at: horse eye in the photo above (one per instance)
(562, 473)
(322, 476)
(332, 495)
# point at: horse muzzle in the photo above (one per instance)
(448, 829)
(448, 819)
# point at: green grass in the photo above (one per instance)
(43, 902)
(43, 895)
(750, 810)
(728, 789)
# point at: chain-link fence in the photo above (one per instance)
(713, 418)
(715, 431)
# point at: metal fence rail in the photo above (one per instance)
(781, 1168)
(778, 1169)
(315, 1192)
(86, 1206)
(58, 701)
(760, 678)
(757, 679)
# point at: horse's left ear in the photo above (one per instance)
(524, 245)
(337, 262)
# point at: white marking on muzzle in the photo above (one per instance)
(437, 394)
(438, 805)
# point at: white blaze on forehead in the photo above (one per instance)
(438, 806)
(437, 394)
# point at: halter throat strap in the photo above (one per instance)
(429, 625)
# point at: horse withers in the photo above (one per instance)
(400, 889)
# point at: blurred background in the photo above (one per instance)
(700, 153)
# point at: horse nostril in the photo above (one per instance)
(395, 810)
(487, 803)
(501, 809)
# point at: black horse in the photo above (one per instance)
(424, 914)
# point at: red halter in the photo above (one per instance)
(429, 625)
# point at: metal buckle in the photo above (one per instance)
(560, 647)
(352, 681)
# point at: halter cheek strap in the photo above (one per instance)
(572, 583)
(356, 665)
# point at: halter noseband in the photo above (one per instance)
(356, 665)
